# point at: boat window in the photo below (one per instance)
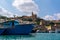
(5, 25)
(16, 23)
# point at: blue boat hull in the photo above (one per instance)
(14, 28)
(1, 31)
(19, 29)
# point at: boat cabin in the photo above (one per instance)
(10, 24)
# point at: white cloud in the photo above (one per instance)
(26, 6)
(55, 16)
(48, 17)
(4, 12)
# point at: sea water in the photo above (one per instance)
(33, 36)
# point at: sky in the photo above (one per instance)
(46, 9)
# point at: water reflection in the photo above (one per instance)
(34, 36)
(17, 36)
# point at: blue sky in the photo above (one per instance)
(48, 8)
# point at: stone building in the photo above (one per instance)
(55, 26)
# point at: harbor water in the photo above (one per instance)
(33, 36)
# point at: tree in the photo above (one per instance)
(3, 17)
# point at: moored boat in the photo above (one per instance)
(14, 28)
